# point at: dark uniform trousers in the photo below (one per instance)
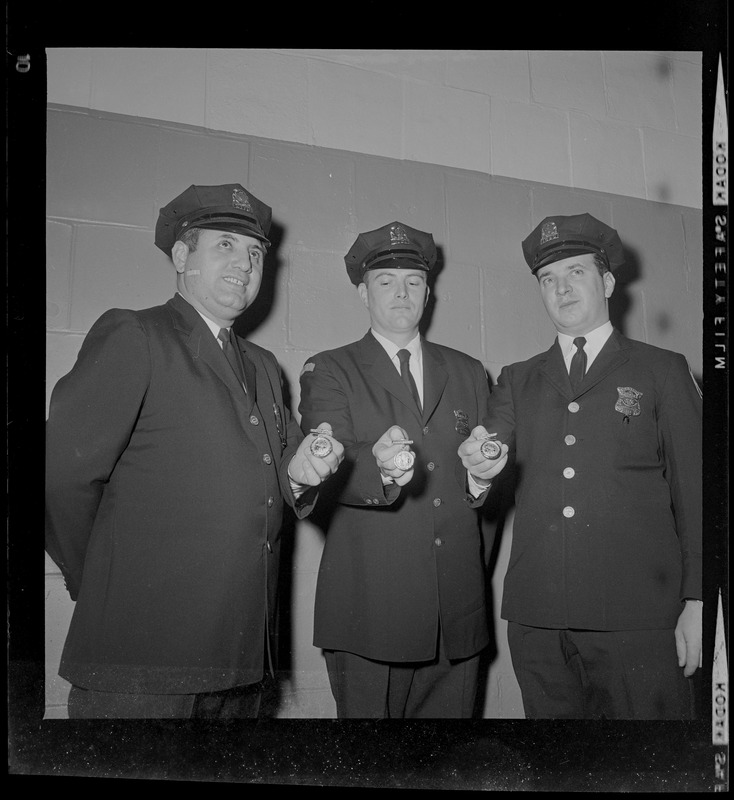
(240, 702)
(580, 674)
(367, 689)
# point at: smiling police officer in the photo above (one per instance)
(170, 454)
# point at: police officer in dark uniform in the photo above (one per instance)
(400, 601)
(603, 587)
(170, 455)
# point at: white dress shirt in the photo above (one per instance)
(595, 340)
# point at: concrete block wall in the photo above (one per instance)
(617, 122)
(109, 173)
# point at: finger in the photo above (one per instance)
(680, 648)
(396, 433)
(479, 432)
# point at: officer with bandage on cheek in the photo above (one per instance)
(170, 457)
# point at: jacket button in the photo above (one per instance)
(425, 430)
(569, 511)
(437, 542)
(573, 407)
(254, 420)
(437, 501)
(431, 466)
(271, 500)
(368, 500)
(570, 439)
(569, 472)
(270, 549)
(267, 459)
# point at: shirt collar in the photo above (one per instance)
(595, 340)
(413, 346)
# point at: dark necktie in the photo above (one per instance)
(225, 337)
(578, 363)
(405, 374)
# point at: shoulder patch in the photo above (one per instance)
(307, 367)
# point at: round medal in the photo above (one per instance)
(491, 449)
(321, 446)
(404, 460)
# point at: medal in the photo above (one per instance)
(404, 460)
(321, 445)
(491, 448)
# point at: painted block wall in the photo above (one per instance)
(617, 122)
(108, 174)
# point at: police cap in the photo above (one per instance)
(229, 207)
(561, 237)
(395, 245)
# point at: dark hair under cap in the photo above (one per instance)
(229, 207)
(561, 237)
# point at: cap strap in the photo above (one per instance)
(396, 253)
(563, 243)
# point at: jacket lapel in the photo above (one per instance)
(378, 367)
(611, 356)
(553, 369)
(203, 346)
(435, 377)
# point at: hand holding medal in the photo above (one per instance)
(482, 454)
(393, 455)
(318, 456)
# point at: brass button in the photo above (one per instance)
(425, 430)
(437, 501)
(569, 472)
(573, 407)
(431, 466)
(254, 420)
(271, 500)
(569, 511)
(570, 439)
(267, 458)
(437, 542)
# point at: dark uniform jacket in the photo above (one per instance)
(607, 531)
(165, 489)
(396, 561)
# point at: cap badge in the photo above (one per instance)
(628, 401)
(398, 235)
(548, 232)
(241, 201)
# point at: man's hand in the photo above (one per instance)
(470, 453)
(688, 637)
(309, 469)
(386, 448)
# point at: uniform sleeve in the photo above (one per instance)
(500, 418)
(680, 422)
(323, 399)
(304, 503)
(481, 385)
(92, 414)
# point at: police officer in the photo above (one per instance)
(400, 602)
(603, 588)
(170, 454)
